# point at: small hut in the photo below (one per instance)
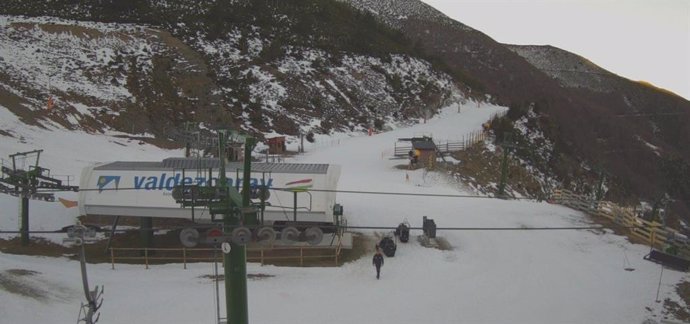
(276, 145)
(425, 152)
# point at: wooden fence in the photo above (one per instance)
(443, 147)
(653, 233)
(296, 254)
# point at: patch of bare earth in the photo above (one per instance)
(12, 281)
(679, 311)
(481, 168)
(37, 246)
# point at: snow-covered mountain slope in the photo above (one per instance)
(95, 74)
(283, 68)
(516, 276)
(137, 78)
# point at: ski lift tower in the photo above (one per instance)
(26, 182)
(223, 199)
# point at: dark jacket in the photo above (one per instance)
(378, 259)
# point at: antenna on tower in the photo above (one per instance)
(78, 235)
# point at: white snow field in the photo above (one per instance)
(500, 276)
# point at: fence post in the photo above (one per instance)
(301, 256)
(112, 259)
(262, 256)
(146, 257)
(184, 257)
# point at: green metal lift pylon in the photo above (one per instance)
(235, 262)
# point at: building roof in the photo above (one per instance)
(213, 163)
(278, 139)
(424, 145)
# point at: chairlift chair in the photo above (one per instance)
(388, 246)
(403, 231)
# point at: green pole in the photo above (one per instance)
(504, 172)
(236, 285)
(25, 220)
(294, 206)
(236, 260)
(229, 259)
(246, 177)
(239, 310)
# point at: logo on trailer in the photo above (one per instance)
(166, 181)
(108, 182)
(299, 185)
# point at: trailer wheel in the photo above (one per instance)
(265, 235)
(189, 237)
(314, 235)
(289, 235)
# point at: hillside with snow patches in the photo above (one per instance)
(37, 63)
(139, 79)
(514, 276)
(150, 69)
(94, 72)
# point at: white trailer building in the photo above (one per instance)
(144, 189)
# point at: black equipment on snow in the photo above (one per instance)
(403, 232)
(669, 260)
(388, 246)
(429, 227)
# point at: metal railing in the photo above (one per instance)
(653, 233)
(444, 147)
(263, 255)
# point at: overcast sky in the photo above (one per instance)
(637, 39)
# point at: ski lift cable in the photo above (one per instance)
(391, 193)
(332, 191)
(392, 228)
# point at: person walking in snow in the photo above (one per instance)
(378, 262)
